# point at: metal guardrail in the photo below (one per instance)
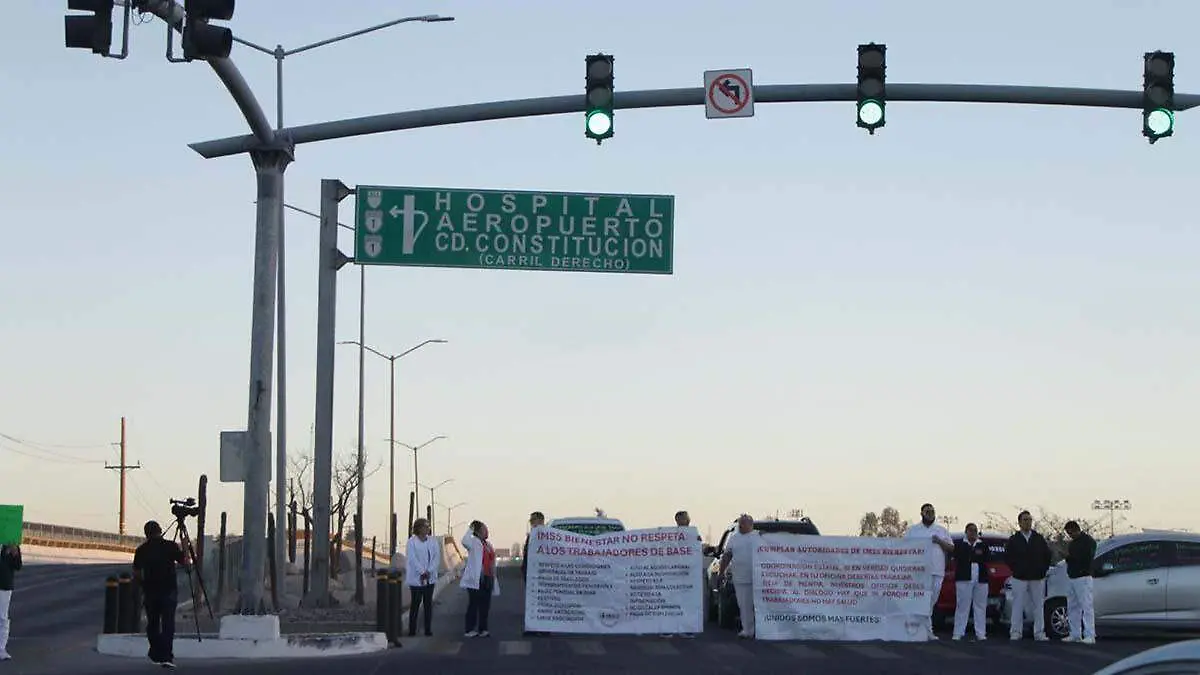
(61, 536)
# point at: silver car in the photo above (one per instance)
(1143, 581)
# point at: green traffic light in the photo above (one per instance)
(599, 123)
(870, 112)
(1160, 122)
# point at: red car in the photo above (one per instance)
(943, 611)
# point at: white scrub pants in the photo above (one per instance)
(935, 589)
(1080, 609)
(5, 600)
(970, 599)
(1028, 597)
(745, 600)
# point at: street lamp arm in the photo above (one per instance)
(370, 349)
(172, 13)
(364, 31)
(251, 45)
(410, 350)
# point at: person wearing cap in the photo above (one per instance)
(154, 567)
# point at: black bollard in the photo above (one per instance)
(395, 611)
(124, 603)
(111, 604)
(382, 602)
(135, 625)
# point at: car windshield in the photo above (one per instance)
(590, 528)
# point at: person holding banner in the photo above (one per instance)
(935, 556)
(738, 560)
(10, 563)
(683, 519)
(971, 558)
(479, 579)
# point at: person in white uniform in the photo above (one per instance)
(971, 582)
(1081, 553)
(935, 556)
(1028, 558)
(738, 559)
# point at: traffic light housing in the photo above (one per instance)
(598, 111)
(202, 40)
(872, 87)
(90, 32)
(1158, 95)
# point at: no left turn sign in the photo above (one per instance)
(728, 93)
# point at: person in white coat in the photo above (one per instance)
(423, 562)
(479, 579)
(738, 561)
(935, 556)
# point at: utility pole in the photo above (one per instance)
(122, 468)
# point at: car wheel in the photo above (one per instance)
(1058, 622)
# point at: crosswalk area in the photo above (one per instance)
(1042, 654)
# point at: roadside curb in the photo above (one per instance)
(212, 647)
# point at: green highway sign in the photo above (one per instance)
(516, 230)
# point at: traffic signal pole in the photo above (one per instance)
(691, 96)
(270, 158)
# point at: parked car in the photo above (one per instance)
(722, 605)
(588, 525)
(1176, 657)
(1143, 581)
(998, 574)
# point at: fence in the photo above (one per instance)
(60, 536)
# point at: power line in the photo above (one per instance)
(36, 452)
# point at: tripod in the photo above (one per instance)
(194, 574)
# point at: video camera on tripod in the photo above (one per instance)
(185, 508)
(182, 509)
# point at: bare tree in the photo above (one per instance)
(345, 488)
(300, 480)
(1048, 523)
(887, 523)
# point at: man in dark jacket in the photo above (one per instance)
(10, 563)
(1028, 558)
(971, 558)
(1082, 614)
(154, 566)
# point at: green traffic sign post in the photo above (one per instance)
(510, 229)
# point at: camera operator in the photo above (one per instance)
(154, 567)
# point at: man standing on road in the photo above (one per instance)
(739, 554)
(683, 519)
(536, 519)
(10, 563)
(1082, 614)
(1028, 557)
(154, 567)
(935, 556)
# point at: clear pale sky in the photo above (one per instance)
(981, 306)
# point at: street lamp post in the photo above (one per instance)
(432, 499)
(391, 359)
(416, 469)
(1112, 506)
(279, 53)
(450, 518)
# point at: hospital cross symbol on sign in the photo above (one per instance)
(728, 93)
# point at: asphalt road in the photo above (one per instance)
(56, 611)
(714, 652)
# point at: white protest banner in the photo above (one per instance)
(840, 588)
(633, 582)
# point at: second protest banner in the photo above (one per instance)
(633, 582)
(840, 588)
